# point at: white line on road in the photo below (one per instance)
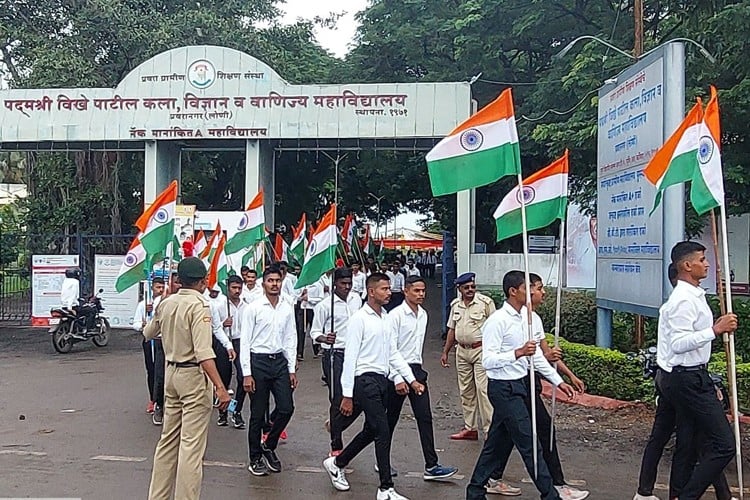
(212, 463)
(22, 453)
(117, 458)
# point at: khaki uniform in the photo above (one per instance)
(467, 322)
(184, 322)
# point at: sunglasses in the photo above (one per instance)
(469, 287)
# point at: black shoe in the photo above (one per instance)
(237, 420)
(222, 420)
(272, 461)
(258, 468)
(158, 416)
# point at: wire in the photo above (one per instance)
(559, 113)
(518, 83)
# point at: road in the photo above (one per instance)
(74, 426)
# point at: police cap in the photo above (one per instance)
(465, 278)
(191, 268)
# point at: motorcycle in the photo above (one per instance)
(69, 327)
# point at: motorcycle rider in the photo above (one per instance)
(69, 294)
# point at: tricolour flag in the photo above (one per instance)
(251, 228)
(347, 233)
(480, 151)
(176, 255)
(281, 249)
(299, 242)
(213, 244)
(707, 189)
(545, 194)
(156, 224)
(677, 159)
(218, 271)
(200, 243)
(321, 254)
(367, 244)
(133, 268)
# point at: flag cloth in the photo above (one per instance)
(299, 242)
(251, 228)
(321, 254)
(347, 233)
(677, 159)
(281, 249)
(213, 244)
(176, 255)
(156, 224)
(199, 244)
(218, 271)
(545, 195)
(367, 244)
(133, 268)
(381, 251)
(707, 189)
(481, 150)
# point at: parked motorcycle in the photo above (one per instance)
(69, 327)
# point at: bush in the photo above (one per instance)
(741, 307)
(719, 365)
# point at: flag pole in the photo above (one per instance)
(527, 279)
(558, 306)
(720, 289)
(731, 360)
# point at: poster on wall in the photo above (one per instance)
(47, 275)
(580, 249)
(118, 307)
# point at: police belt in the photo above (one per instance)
(184, 364)
(473, 345)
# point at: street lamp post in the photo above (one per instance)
(704, 52)
(377, 227)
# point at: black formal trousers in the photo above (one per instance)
(338, 422)
(223, 365)
(370, 396)
(239, 392)
(511, 426)
(148, 358)
(159, 365)
(420, 406)
(271, 375)
(303, 319)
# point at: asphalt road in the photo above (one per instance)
(74, 426)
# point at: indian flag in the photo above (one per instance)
(133, 268)
(545, 194)
(218, 271)
(299, 242)
(200, 243)
(677, 159)
(281, 249)
(213, 244)
(321, 254)
(156, 224)
(707, 189)
(254, 258)
(176, 255)
(367, 244)
(347, 233)
(251, 228)
(481, 150)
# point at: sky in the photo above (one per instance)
(338, 42)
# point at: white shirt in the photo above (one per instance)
(430, 259)
(359, 281)
(342, 311)
(266, 329)
(70, 292)
(685, 328)
(219, 313)
(412, 271)
(409, 330)
(251, 296)
(139, 316)
(316, 292)
(397, 281)
(287, 286)
(368, 349)
(502, 334)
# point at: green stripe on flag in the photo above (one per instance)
(680, 170)
(459, 173)
(538, 215)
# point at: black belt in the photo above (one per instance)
(332, 349)
(698, 368)
(184, 364)
(276, 355)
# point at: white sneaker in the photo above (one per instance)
(337, 475)
(568, 493)
(643, 497)
(390, 494)
(500, 487)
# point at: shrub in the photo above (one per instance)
(741, 307)
(719, 365)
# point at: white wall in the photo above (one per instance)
(491, 267)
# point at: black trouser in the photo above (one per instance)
(370, 396)
(239, 392)
(303, 319)
(271, 375)
(543, 427)
(511, 426)
(338, 422)
(148, 358)
(698, 413)
(420, 406)
(430, 270)
(397, 298)
(223, 365)
(159, 363)
(661, 433)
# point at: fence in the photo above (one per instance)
(16, 250)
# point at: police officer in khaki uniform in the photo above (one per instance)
(468, 314)
(184, 322)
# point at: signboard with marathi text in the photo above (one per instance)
(209, 92)
(47, 275)
(119, 308)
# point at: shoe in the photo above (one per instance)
(300, 358)
(283, 435)
(568, 493)
(328, 426)
(389, 494)
(500, 487)
(438, 472)
(394, 472)
(272, 460)
(222, 420)
(337, 475)
(158, 416)
(150, 407)
(646, 497)
(465, 435)
(258, 468)
(237, 420)
(334, 453)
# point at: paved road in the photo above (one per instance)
(74, 426)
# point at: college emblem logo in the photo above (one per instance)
(705, 149)
(471, 139)
(528, 195)
(201, 74)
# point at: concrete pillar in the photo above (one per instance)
(260, 173)
(162, 166)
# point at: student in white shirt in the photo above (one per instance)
(505, 357)
(143, 313)
(70, 291)
(251, 291)
(396, 278)
(221, 342)
(686, 330)
(411, 270)
(309, 297)
(369, 361)
(332, 342)
(358, 281)
(409, 324)
(268, 349)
